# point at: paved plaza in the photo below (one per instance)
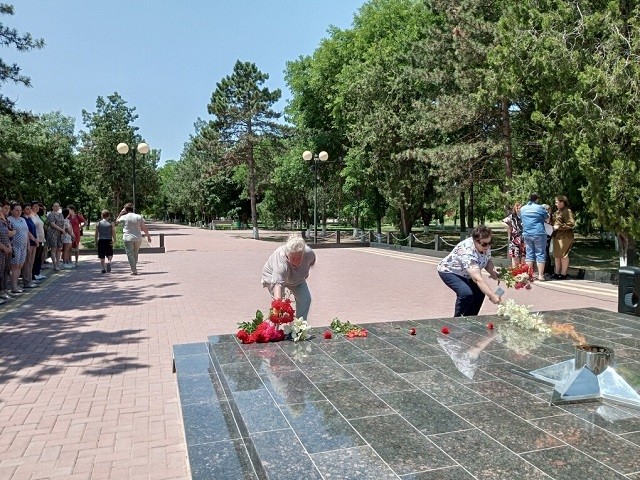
(87, 389)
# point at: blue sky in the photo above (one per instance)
(162, 57)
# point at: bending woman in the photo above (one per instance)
(461, 271)
(288, 267)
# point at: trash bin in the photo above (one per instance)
(629, 290)
(237, 224)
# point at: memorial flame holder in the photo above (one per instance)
(589, 376)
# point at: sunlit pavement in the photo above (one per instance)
(86, 382)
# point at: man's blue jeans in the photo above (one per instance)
(469, 297)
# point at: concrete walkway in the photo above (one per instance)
(86, 387)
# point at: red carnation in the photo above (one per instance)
(243, 336)
(445, 330)
(328, 335)
(490, 326)
(412, 331)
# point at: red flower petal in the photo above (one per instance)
(445, 330)
(328, 335)
(490, 326)
(412, 331)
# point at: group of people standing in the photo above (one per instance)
(29, 234)
(27, 231)
(536, 232)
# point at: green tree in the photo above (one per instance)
(12, 72)
(578, 64)
(38, 158)
(107, 175)
(243, 114)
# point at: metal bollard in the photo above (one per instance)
(337, 236)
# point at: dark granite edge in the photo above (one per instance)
(237, 416)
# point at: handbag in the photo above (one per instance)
(548, 229)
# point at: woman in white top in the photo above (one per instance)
(133, 226)
(288, 267)
(461, 271)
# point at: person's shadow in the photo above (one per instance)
(465, 357)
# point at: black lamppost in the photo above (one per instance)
(323, 157)
(142, 149)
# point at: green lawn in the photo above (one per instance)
(88, 243)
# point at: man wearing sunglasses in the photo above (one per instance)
(461, 271)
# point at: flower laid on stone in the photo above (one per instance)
(348, 329)
(521, 316)
(519, 277)
(490, 326)
(281, 322)
(445, 330)
(299, 330)
(412, 331)
(328, 335)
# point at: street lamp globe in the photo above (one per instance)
(143, 148)
(307, 155)
(122, 148)
(323, 156)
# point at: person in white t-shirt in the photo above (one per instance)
(288, 267)
(133, 226)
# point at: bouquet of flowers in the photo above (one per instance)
(281, 322)
(519, 277)
(347, 328)
(281, 311)
(299, 330)
(521, 316)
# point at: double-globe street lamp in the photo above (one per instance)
(142, 149)
(307, 156)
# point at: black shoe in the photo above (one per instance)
(556, 276)
(562, 277)
(104, 271)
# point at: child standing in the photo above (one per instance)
(105, 235)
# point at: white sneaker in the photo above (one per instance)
(40, 277)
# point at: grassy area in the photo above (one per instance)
(88, 242)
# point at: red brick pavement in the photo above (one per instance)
(86, 389)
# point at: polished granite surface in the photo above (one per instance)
(393, 405)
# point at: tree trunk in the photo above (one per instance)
(405, 222)
(627, 250)
(507, 151)
(470, 210)
(427, 216)
(252, 190)
(463, 226)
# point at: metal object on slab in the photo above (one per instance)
(588, 377)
